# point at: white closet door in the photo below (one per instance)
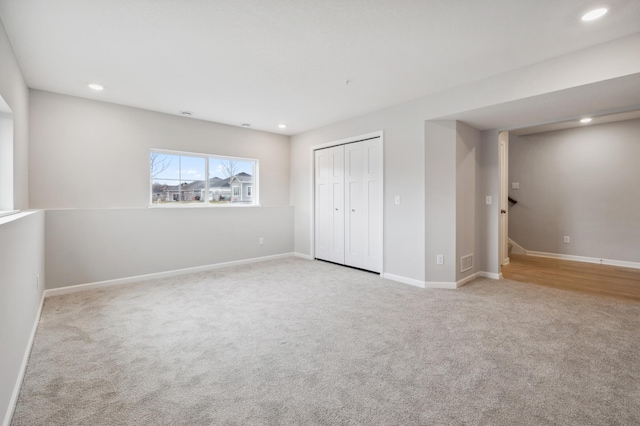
(372, 205)
(329, 204)
(354, 211)
(363, 205)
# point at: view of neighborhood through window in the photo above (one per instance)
(178, 179)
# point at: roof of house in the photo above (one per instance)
(243, 177)
(196, 185)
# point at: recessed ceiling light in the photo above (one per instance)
(95, 86)
(586, 120)
(594, 14)
(282, 126)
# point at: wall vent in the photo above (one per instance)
(466, 262)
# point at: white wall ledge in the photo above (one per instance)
(13, 215)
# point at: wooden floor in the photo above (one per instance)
(603, 280)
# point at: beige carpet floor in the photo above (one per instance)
(297, 342)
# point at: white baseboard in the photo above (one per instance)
(466, 280)
(404, 280)
(166, 274)
(303, 256)
(441, 284)
(491, 275)
(517, 248)
(23, 367)
(596, 260)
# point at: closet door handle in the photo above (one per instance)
(336, 209)
(353, 210)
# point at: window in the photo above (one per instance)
(249, 191)
(179, 179)
(6, 159)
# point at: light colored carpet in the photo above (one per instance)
(304, 343)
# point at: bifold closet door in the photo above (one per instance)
(329, 204)
(348, 204)
(363, 204)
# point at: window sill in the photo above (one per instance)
(4, 213)
(201, 206)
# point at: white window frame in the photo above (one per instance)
(7, 157)
(256, 166)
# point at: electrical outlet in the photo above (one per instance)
(440, 259)
(567, 239)
(261, 241)
(515, 185)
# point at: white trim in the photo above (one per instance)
(596, 260)
(490, 275)
(23, 367)
(312, 201)
(517, 248)
(8, 212)
(440, 284)
(166, 274)
(16, 216)
(466, 280)
(344, 141)
(303, 256)
(450, 285)
(404, 280)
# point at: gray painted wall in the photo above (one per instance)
(21, 239)
(89, 163)
(582, 183)
(90, 154)
(452, 186)
(21, 259)
(440, 205)
(467, 188)
(403, 153)
(91, 245)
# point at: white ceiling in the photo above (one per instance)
(267, 62)
(561, 109)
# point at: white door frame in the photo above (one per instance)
(503, 221)
(312, 224)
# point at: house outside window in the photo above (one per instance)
(180, 178)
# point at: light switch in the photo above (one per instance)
(487, 199)
(397, 200)
(515, 185)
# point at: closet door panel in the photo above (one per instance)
(372, 203)
(329, 204)
(354, 156)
